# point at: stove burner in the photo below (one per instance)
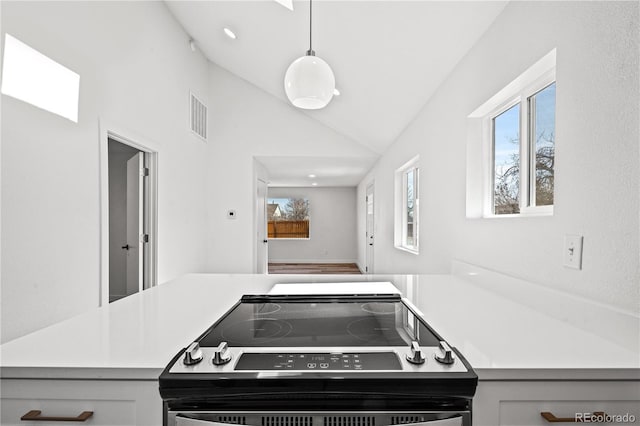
(267, 308)
(380, 308)
(371, 329)
(259, 330)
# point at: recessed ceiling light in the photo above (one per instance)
(314, 184)
(336, 92)
(312, 176)
(230, 33)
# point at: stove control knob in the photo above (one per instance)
(193, 354)
(221, 355)
(415, 356)
(447, 354)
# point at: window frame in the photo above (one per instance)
(521, 97)
(289, 238)
(401, 206)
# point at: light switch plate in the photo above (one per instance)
(572, 257)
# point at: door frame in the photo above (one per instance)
(368, 259)
(261, 222)
(120, 134)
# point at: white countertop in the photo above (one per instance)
(135, 337)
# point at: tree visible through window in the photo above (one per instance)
(543, 127)
(288, 218)
(410, 182)
(506, 154)
(510, 171)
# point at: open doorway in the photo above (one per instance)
(312, 229)
(130, 212)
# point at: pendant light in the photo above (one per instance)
(309, 82)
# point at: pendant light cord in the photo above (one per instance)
(310, 24)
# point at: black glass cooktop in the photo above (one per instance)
(305, 322)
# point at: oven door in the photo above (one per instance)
(445, 418)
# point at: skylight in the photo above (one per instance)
(30, 76)
(286, 3)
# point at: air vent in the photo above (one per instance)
(198, 117)
(232, 420)
(349, 421)
(287, 421)
(402, 420)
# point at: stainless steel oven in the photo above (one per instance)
(342, 418)
(319, 360)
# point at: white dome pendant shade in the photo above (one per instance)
(309, 82)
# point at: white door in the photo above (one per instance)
(135, 217)
(261, 227)
(369, 235)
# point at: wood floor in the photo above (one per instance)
(313, 268)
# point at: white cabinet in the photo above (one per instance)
(520, 403)
(113, 402)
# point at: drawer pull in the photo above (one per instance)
(35, 415)
(549, 417)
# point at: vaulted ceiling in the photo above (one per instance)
(388, 57)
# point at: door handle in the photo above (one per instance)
(265, 241)
(35, 415)
(127, 247)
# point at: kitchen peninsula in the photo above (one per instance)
(532, 352)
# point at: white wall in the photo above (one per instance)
(597, 155)
(136, 70)
(247, 122)
(332, 226)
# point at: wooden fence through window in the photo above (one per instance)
(288, 229)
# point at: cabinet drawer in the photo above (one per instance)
(527, 413)
(519, 403)
(104, 412)
(113, 403)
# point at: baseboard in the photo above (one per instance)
(114, 297)
(313, 261)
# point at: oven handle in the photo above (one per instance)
(188, 421)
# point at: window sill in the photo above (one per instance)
(546, 213)
(408, 250)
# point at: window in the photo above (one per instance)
(523, 166)
(506, 161)
(511, 147)
(407, 202)
(542, 110)
(32, 77)
(288, 218)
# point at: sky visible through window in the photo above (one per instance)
(507, 127)
(282, 202)
(546, 110)
(507, 138)
(544, 128)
